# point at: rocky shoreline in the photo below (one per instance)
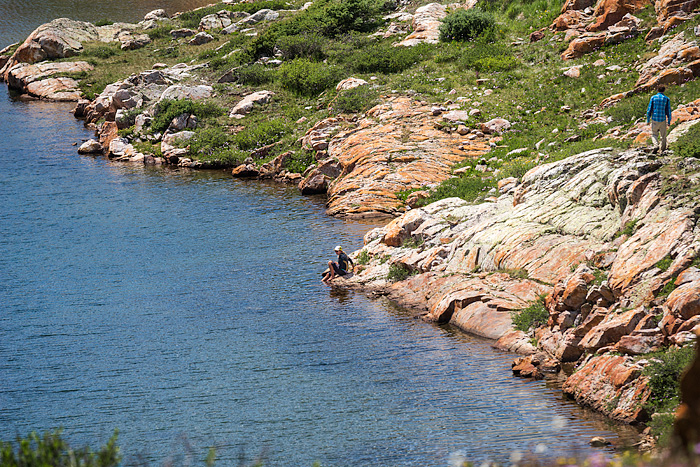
(600, 234)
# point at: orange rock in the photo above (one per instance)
(612, 329)
(609, 12)
(684, 301)
(108, 132)
(583, 45)
(610, 385)
(396, 148)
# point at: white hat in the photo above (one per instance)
(338, 248)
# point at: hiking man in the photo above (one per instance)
(339, 268)
(659, 112)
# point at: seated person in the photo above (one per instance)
(339, 268)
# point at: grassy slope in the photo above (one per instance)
(526, 79)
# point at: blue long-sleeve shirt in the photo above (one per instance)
(659, 108)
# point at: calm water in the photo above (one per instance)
(20, 17)
(185, 309)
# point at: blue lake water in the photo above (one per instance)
(185, 309)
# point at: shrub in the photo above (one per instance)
(664, 372)
(359, 99)
(330, 18)
(261, 134)
(51, 449)
(213, 144)
(159, 32)
(308, 78)
(628, 110)
(517, 167)
(166, 110)
(306, 45)
(385, 58)
(398, 272)
(363, 257)
(254, 75)
(298, 162)
(466, 25)
(688, 145)
(103, 22)
(531, 317)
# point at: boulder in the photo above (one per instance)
(59, 38)
(38, 79)
(260, 15)
(201, 38)
(90, 147)
(170, 145)
(120, 147)
(610, 12)
(246, 105)
(612, 385)
(217, 20)
(350, 83)
(155, 15)
(134, 41)
(183, 32)
(181, 91)
(684, 301)
(245, 171)
(612, 329)
(496, 125)
(401, 228)
(314, 184)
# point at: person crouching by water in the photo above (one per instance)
(339, 268)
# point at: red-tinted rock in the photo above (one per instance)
(612, 385)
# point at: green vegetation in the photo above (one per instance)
(52, 450)
(688, 145)
(665, 263)
(466, 25)
(412, 242)
(167, 110)
(664, 372)
(356, 100)
(531, 317)
(398, 272)
(628, 229)
(363, 257)
(307, 78)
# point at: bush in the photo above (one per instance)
(466, 25)
(359, 99)
(308, 78)
(52, 450)
(398, 272)
(363, 257)
(628, 110)
(261, 134)
(531, 317)
(330, 18)
(298, 162)
(213, 144)
(688, 145)
(385, 58)
(306, 45)
(159, 32)
(166, 110)
(664, 372)
(254, 75)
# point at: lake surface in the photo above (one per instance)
(185, 309)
